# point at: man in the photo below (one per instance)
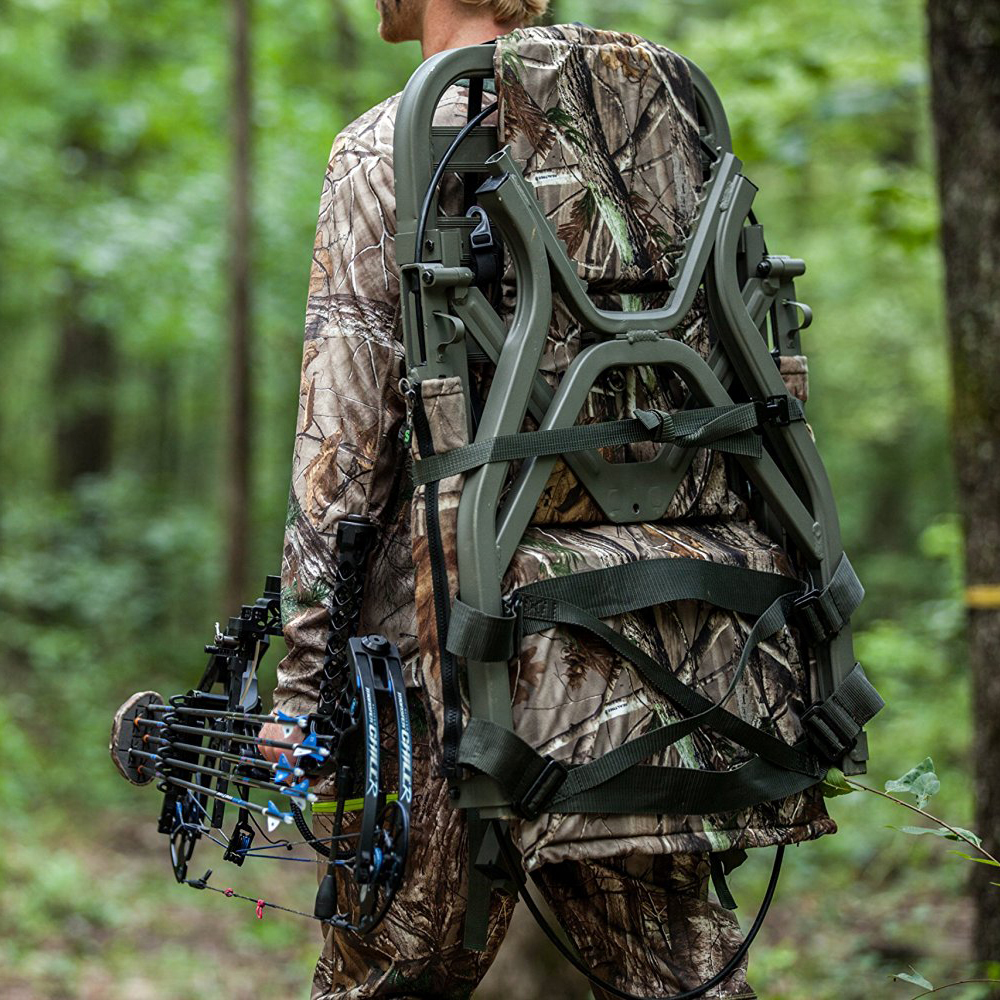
(643, 921)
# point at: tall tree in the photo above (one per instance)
(84, 365)
(237, 442)
(965, 85)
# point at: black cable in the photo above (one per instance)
(425, 208)
(517, 873)
(310, 838)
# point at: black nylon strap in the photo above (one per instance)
(834, 725)
(524, 774)
(527, 778)
(478, 636)
(684, 791)
(822, 614)
(520, 770)
(724, 428)
(719, 882)
(614, 590)
(723, 722)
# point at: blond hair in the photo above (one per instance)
(522, 11)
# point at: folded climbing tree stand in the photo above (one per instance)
(738, 404)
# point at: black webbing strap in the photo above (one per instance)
(528, 779)
(614, 590)
(719, 882)
(821, 614)
(833, 725)
(724, 428)
(520, 771)
(537, 784)
(686, 791)
(478, 636)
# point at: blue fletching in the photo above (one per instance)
(282, 717)
(310, 741)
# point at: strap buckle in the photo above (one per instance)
(830, 733)
(834, 726)
(813, 616)
(487, 254)
(533, 802)
(774, 410)
(481, 238)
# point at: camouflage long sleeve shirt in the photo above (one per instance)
(348, 455)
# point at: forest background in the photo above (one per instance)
(116, 258)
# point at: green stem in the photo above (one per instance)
(940, 822)
(948, 986)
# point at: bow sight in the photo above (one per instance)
(203, 751)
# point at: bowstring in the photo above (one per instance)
(272, 845)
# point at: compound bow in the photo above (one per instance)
(202, 750)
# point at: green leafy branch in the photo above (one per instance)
(918, 980)
(921, 782)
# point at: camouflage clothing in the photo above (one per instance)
(622, 186)
(644, 924)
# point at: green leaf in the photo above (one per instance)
(915, 978)
(834, 784)
(982, 861)
(940, 831)
(919, 781)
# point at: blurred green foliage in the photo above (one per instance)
(113, 186)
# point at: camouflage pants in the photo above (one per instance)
(644, 924)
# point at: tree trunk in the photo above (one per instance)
(965, 86)
(84, 370)
(346, 44)
(237, 442)
(83, 391)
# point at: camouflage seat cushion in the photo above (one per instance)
(605, 126)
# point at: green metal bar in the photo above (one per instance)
(793, 445)
(711, 114)
(572, 394)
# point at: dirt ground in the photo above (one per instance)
(94, 914)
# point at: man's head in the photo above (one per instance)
(404, 20)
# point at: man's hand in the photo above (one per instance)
(276, 731)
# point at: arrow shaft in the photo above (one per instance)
(211, 713)
(236, 737)
(215, 772)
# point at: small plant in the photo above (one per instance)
(922, 783)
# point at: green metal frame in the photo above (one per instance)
(457, 318)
